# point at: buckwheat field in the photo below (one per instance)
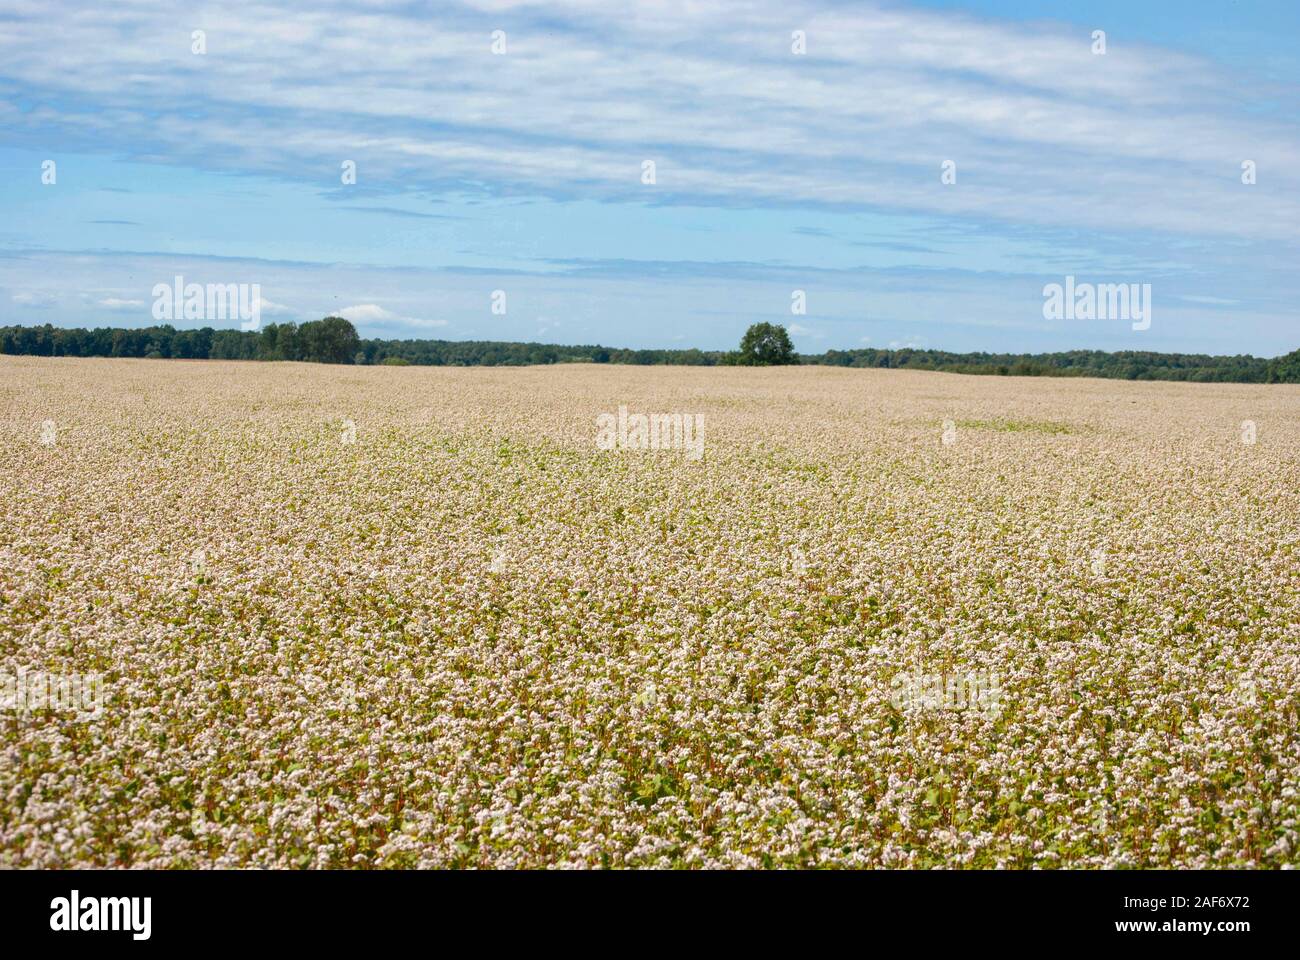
(417, 617)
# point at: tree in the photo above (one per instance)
(766, 344)
(1285, 369)
(332, 340)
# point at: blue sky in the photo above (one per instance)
(774, 171)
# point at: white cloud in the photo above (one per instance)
(373, 314)
(269, 308)
(113, 303)
(1042, 131)
(38, 301)
(366, 313)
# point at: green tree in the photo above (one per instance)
(766, 344)
(1285, 369)
(332, 340)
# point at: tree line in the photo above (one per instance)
(335, 340)
(332, 340)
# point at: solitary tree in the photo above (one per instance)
(766, 344)
(332, 340)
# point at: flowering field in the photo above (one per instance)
(392, 617)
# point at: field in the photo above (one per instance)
(391, 617)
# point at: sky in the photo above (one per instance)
(918, 172)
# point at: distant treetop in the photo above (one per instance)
(766, 344)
